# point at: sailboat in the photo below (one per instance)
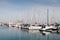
(48, 27)
(35, 25)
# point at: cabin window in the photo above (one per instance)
(33, 25)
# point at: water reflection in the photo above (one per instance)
(12, 33)
(37, 35)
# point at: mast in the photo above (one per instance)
(47, 17)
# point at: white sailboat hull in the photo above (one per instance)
(48, 28)
(34, 28)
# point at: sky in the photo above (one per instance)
(30, 10)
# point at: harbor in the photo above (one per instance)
(13, 33)
(29, 20)
(53, 27)
(22, 30)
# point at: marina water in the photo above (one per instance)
(12, 33)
